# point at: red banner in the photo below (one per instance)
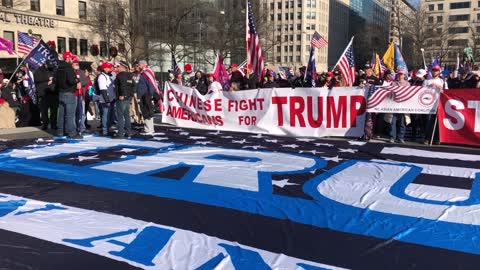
(459, 116)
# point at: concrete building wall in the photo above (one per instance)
(46, 24)
(293, 24)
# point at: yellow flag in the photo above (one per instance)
(377, 69)
(388, 57)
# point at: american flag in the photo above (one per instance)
(398, 93)
(26, 42)
(318, 41)
(254, 50)
(346, 65)
(175, 68)
(150, 76)
(243, 67)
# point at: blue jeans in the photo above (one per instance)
(122, 108)
(106, 110)
(80, 114)
(67, 105)
(398, 128)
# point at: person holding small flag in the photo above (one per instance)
(439, 84)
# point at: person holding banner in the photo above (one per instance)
(439, 84)
(66, 84)
(213, 84)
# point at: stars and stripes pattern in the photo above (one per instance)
(150, 76)
(243, 67)
(397, 93)
(175, 68)
(318, 41)
(254, 50)
(26, 42)
(346, 65)
(451, 171)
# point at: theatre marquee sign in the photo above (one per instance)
(27, 20)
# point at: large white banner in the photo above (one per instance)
(314, 112)
(403, 99)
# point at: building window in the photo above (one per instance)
(299, 37)
(35, 5)
(272, 5)
(279, 5)
(290, 59)
(285, 48)
(279, 49)
(279, 38)
(430, 19)
(103, 48)
(120, 16)
(103, 14)
(291, 38)
(7, 3)
(286, 27)
(314, 15)
(291, 48)
(279, 16)
(61, 7)
(72, 45)
(82, 9)
(439, 19)
(299, 15)
(291, 27)
(10, 36)
(121, 48)
(286, 16)
(457, 30)
(272, 17)
(460, 5)
(291, 15)
(440, 6)
(61, 45)
(279, 59)
(83, 47)
(285, 38)
(299, 48)
(279, 27)
(458, 42)
(431, 7)
(456, 18)
(285, 59)
(298, 58)
(299, 26)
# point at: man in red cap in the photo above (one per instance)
(330, 81)
(65, 85)
(188, 75)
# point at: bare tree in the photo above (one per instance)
(430, 33)
(474, 38)
(116, 27)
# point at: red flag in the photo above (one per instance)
(6, 45)
(221, 74)
(150, 76)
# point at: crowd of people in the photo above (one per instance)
(118, 95)
(59, 98)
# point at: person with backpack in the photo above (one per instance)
(124, 92)
(106, 95)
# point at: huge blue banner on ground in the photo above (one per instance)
(195, 199)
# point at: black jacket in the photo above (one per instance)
(364, 79)
(237, 77)
(42, 76)
(200, 84)
(65, 78)
(124, 85)
(270, 84)
(252, 82)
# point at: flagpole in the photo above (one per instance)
(308, 63)
(18, 66)
(246, 33)
(350, 43)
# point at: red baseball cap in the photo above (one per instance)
(106, 65)
(436, 68)
(233, 65)
(67, 55)
(329, 74)
(75, 59)
(188, 67)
